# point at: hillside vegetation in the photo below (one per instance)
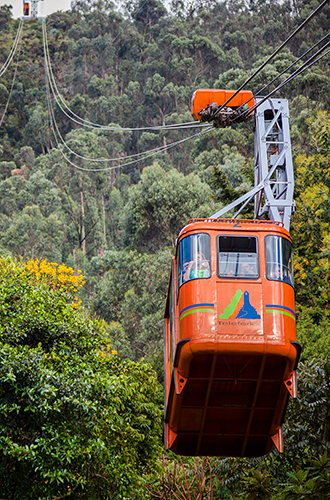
(80, 406)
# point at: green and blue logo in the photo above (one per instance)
(240, 307)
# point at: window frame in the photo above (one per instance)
(179, 259)
(279, 280)
(257, 254)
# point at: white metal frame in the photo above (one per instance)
(273, 168)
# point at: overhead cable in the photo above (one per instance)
(14, 78)
(290, 37)
(138, 156)
(86, 123)
(142, 156)
(13, 49)
(300, 70)
(291, 65)
(145, 156)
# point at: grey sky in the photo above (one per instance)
(49, 6)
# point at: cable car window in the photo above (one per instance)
(195, 257)
(279, 259)
(238, 257)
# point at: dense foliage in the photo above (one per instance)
(76, 418)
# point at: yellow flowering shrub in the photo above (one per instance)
(58, 276)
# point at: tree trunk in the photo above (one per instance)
(83, 233)
(104, 227)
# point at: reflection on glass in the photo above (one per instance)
(238, 257)
(194, 257)
(279, 259)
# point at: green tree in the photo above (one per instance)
(160, 204)
(130, 290)
(30, 234)
(75, 418)
(310, 226)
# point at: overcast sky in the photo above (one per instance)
(49, 6)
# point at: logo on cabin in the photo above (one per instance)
(240, 307)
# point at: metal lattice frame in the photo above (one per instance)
(273, 180)
(34, 8)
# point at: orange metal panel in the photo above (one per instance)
(203, 97)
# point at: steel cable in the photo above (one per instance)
(146, 155)
(300, 70)
(139, 156)
(291, 65)
(296, 31)
(86, 123)
(14, 77)
(13, 49)
(288, 68)
(143, 156)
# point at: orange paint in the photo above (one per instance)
(203, 97)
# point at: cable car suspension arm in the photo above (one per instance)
(274, 181)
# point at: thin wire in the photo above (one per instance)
(139, 156)
(288, 68)
(89, 124)
(146, 154)
(303, 24)
(289, 79)
(129, 162)
(291, 65)
(14, 78)
(13, 49)
(307, 64)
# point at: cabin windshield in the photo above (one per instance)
(194, 257)
(279, 259)
(238, 257)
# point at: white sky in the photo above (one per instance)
(49, 6)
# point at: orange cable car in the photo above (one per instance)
(26, 9)
(230, 338)
(203, 97)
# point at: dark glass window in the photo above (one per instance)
(238, 257)
(279, 259)
(194, 257)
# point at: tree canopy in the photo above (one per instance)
(75, 418)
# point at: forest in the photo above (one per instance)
(85, 247)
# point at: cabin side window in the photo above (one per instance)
(279, 259)
(194, 257)
(238, 257)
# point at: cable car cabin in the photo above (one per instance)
(203, 97)
(230, 338)
(26, 9)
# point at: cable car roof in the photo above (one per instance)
(236, 225)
